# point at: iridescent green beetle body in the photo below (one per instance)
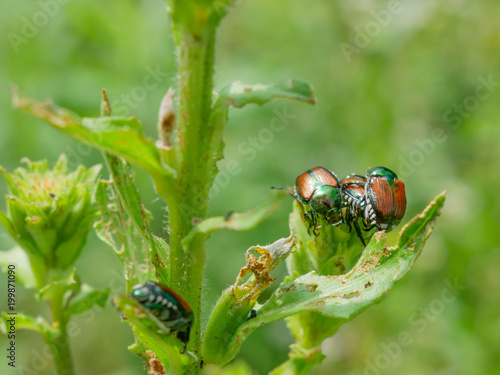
(385, 199)
(167, 306)
(320, 189)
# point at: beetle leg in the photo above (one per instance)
(314, 222)
(310, 217)
(184, 337)
(358, 232)
(348, 218)
(348, 222)
(368, 227)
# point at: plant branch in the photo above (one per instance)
(195, 39)
(59, 343)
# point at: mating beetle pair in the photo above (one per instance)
(167, 306)
(378, 199)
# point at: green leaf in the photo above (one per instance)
(9, 226)
(160, 257)
(61, 285)
(239, 94)
(17, 257)
(27, 322)
(247, 220)
(119, 136)
(86, 299)
(334, 251)
(343, 297)
(25, 241)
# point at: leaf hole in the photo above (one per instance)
(312, 287)
(351, 295)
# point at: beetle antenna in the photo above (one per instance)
(288, 189)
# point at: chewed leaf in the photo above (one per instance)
(127, 195)
(345, 296)
(120, 136)
(236, 303)
(270, 257)
(132, 241)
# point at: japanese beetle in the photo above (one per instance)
(167, 305)
(353, 192)
(385, 199)
(320, 189)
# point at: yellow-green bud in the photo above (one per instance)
(50, 212)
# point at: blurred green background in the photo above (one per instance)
(411, 85)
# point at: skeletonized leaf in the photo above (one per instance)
(127, 194)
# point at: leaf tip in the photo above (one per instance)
(17, 96)
(105, 106)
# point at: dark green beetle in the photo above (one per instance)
(167, 305)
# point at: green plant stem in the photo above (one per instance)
(59, 343)
(39, 270)
(188, 203)
(301, 362)
(62, 354)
